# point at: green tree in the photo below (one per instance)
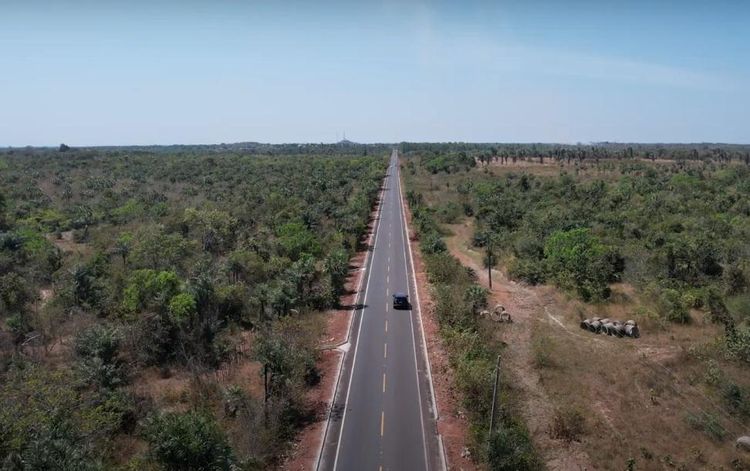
(98, 349)
(295, 239)
(191, 441)
(149, 289)
(336, 265)
(577, 260)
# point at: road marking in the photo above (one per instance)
(387, 278)
(359, 333)
(406, 244)
(382, 423)
(386, 325)
(385, 350)
(383, 382)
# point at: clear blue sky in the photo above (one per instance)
(158, 72)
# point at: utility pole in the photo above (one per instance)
(489, 258)
(494, 400)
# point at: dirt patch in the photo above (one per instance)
(67, 245)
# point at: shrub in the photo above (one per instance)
(568, 425)
(432, 243)
(97, 348)
(577, 260)
(670, 305)
(189, 441)
(708, 424)
(528, 270)
(511, 449)
(541, 346)
(476, 297)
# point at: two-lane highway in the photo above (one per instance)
(382, 417)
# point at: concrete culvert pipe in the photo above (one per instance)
(632, 331)
(743, 443)
(596, 327)
(607, 328)
(585, 324)
(619, 330)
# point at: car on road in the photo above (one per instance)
(401, 301)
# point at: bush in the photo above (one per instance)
(568, 425)
(189, 441)
(97, 348)
(528, 270)
(476, 297)
(541, 346)
(708, 424)
(670, 305)
(432, 243)
(511, 449)
(576, 259)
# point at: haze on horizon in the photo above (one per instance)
(186, 72)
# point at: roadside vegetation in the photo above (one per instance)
(654, 233)
(160, 307)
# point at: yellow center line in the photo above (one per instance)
(383, 382)
(382, 423)
(385, 350)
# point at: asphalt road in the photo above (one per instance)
(382, 417)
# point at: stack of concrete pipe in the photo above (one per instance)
(608, 326)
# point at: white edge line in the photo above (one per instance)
(348, 336)
(419, 305)
(359, 330)
(419, 316)
(405, 239)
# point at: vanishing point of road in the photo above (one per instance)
(383, 415)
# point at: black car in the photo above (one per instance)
(401, 301)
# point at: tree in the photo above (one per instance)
(295, 239)
(150, 289)
(336, 265)
(187, 442)
(3, 209)
(216, 228)
(98, 349)
(577, 260)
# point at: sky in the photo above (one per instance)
(101, 72)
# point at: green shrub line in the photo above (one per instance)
(472, 350)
